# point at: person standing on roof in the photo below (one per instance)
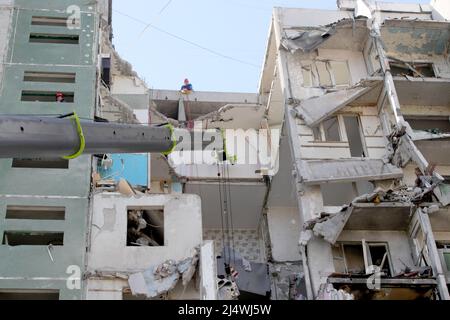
(187, 88)
(60, 97)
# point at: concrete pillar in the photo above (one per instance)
(438, 271)
(208, 271)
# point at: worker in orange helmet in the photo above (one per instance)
(187, 88)
(60, 97)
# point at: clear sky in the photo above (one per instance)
(234, 28)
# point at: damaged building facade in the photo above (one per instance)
(365, 90)
(89, 228)
(353, 204)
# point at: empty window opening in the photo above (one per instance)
(25, 238)
(331, 129)
(54, 38)
(361, 258)
(49, 21)
(411, 69)
(40, 163)
(339, 194)
(35, 213)
(39, 295)
(354, 135)
(54, 77)
(436, 126)
(378, 255)
(349, 259)
(46, 96)
(145, 227)
(106, 71)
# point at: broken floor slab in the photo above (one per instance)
(378, 211)
(315, 110)
(158, 280)
(426, 135)
(324, 171)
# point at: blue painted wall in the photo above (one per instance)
(132, 167)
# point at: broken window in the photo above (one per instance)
(35, 213)
(420, 246)
(45, 96)
(38, 295)
(412, 69)
(354, 135)
(349, 259)
(55, 77)
(378, 256)
(28, 238)
(40, 163)
(145, 227)
(331, 129)
(54, 38)
(361, 258)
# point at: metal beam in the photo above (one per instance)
(34, 137)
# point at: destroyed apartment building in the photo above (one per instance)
(353, 203)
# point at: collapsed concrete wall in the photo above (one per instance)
(117, 259)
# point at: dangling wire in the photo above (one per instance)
(221, 209)
(231, 213)
(226, 212)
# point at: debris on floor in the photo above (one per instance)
(253, 284)
(288, 281)
(328, 292)
(161, 279)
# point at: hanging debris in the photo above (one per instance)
(306, 40)
(161, 279)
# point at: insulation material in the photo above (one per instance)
(306, 40)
